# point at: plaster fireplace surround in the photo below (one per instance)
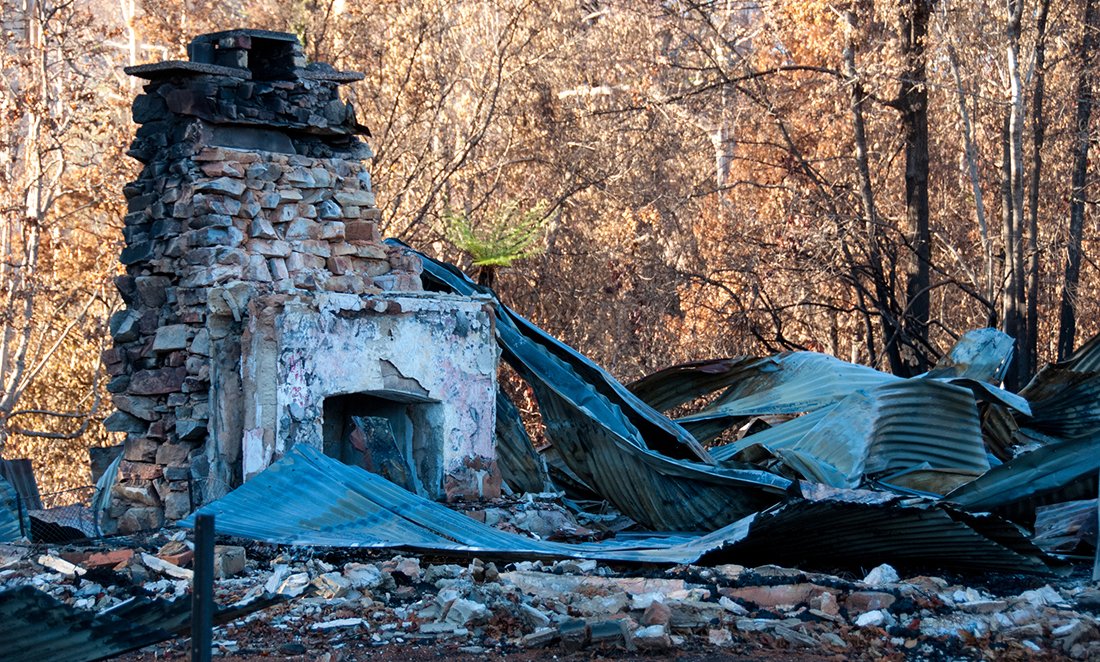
(262, 308)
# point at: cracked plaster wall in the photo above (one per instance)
(300, 350)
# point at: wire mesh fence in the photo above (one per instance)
(59, 517)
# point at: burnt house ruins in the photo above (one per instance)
(263, 310)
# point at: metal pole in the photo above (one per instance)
(202, 590)
(1096, 559)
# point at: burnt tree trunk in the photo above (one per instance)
(1067, 323)
(1029, 346)
(913, 105)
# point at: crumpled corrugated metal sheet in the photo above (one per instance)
(1063, 471)
(923, 420)
(983, 355)
(306, 498)
(614, 442)
(683, 383)
(38, 628)
(895, 426)
(9, 513)
(1067, 528)
(792, 383)
(520, 465)
(1064, 402)
(859, 527)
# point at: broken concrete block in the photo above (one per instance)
(410, 568)
(466, 612)
(861, 602)
(657, 613)
(362, 576)
(721, 638)
(574, 635)
(875, 618)
(294, 585)
(166, 568)
(607, 632)
(437, 628)
(229, 560)
(540, 638)
(330, 585)
(532, 616)
(654, 637)
(60, 565)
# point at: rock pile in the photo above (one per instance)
(348, 607)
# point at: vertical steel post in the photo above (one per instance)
(1096, 559)
(202, 590)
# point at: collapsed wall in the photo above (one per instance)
(252, 256)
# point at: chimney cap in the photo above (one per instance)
(248, 54)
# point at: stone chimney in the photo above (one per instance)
(262, 309)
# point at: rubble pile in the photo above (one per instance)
(349, 605)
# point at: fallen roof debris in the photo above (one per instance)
(322, 501)
(359, 604)
(40, 628)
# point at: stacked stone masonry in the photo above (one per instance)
(250, 187)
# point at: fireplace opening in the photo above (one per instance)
(396, 435)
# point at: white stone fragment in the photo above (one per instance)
(60, 565)
(166, 568)
(883, 574)
(338, 623)
(873, 618)
(732, 606)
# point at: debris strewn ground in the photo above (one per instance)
(351, 605)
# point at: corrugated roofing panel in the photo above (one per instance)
(925, 420)
(983, 355)
(307, 498)
(795, 382)
(9, 513)
(38, 628)
(1062, 471)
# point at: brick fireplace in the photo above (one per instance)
(262, 309)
